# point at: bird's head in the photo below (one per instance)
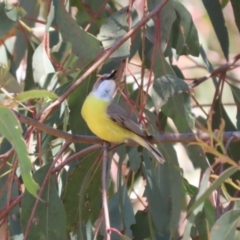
(105, 86)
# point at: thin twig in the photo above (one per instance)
(223, 68)
(5, 212)
(77, 155)
(98, 225)
(104, 190)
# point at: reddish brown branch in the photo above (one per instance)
(218, 71)
(105, 190)
(163, 138)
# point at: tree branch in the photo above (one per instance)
(105, 190)
(162, 138)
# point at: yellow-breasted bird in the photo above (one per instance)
(111, 122)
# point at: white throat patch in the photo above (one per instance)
(105, 90)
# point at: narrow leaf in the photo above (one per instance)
(217, 183)
(115, 215)
(11, 130)
(6, 23)
(109, 36)
(215, 13)
(14, 11)
(84, 45)
(33, 94)
(82, 195)
(203, 187)
(165, 87)
(184, 33)
(7, 81)
(236, 96)
(167, 17)
(49, 220)
(41, 65)
(236, 10)
(225, 226)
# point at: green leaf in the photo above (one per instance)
(203, 187)
(141, 229)
(114, 28)
(6, 192)
(236, 96)
(161, 66)
(178, 107)
(202, 226)
(115, 215)
(49, 220)
(165, 87)
(84, 45)
(60, 53)
(219, 114)
(167, 17)
(204, 191)
(14, 11)
(33, 94)
(225, 226)
(7, 81)
(134, 158)
(41, 65)
(236, 10)
(224, 3)
(6, 23)
(209, 210)
(156, 192)
(90, 194)
(184, 33)
(233, 148)
(175, 183)
(51, 15)
(208, 64)
(215, 13)
(11, 130)
(202, 196)
(95, 5)
(29, 82)
(164, 185)
(82, 194)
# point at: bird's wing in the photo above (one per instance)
(120, 116)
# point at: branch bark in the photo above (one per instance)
(162, 138)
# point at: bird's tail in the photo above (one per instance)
(157, 154)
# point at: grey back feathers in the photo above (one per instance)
(120, 116)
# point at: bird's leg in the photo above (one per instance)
(106, 146)
(115, 146)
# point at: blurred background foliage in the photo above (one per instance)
(179, 71)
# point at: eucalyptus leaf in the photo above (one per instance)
(11, 130)
(112, 30)
(225, 226)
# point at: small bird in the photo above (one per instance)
(111, 122)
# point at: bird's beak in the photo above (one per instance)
(113, 75)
